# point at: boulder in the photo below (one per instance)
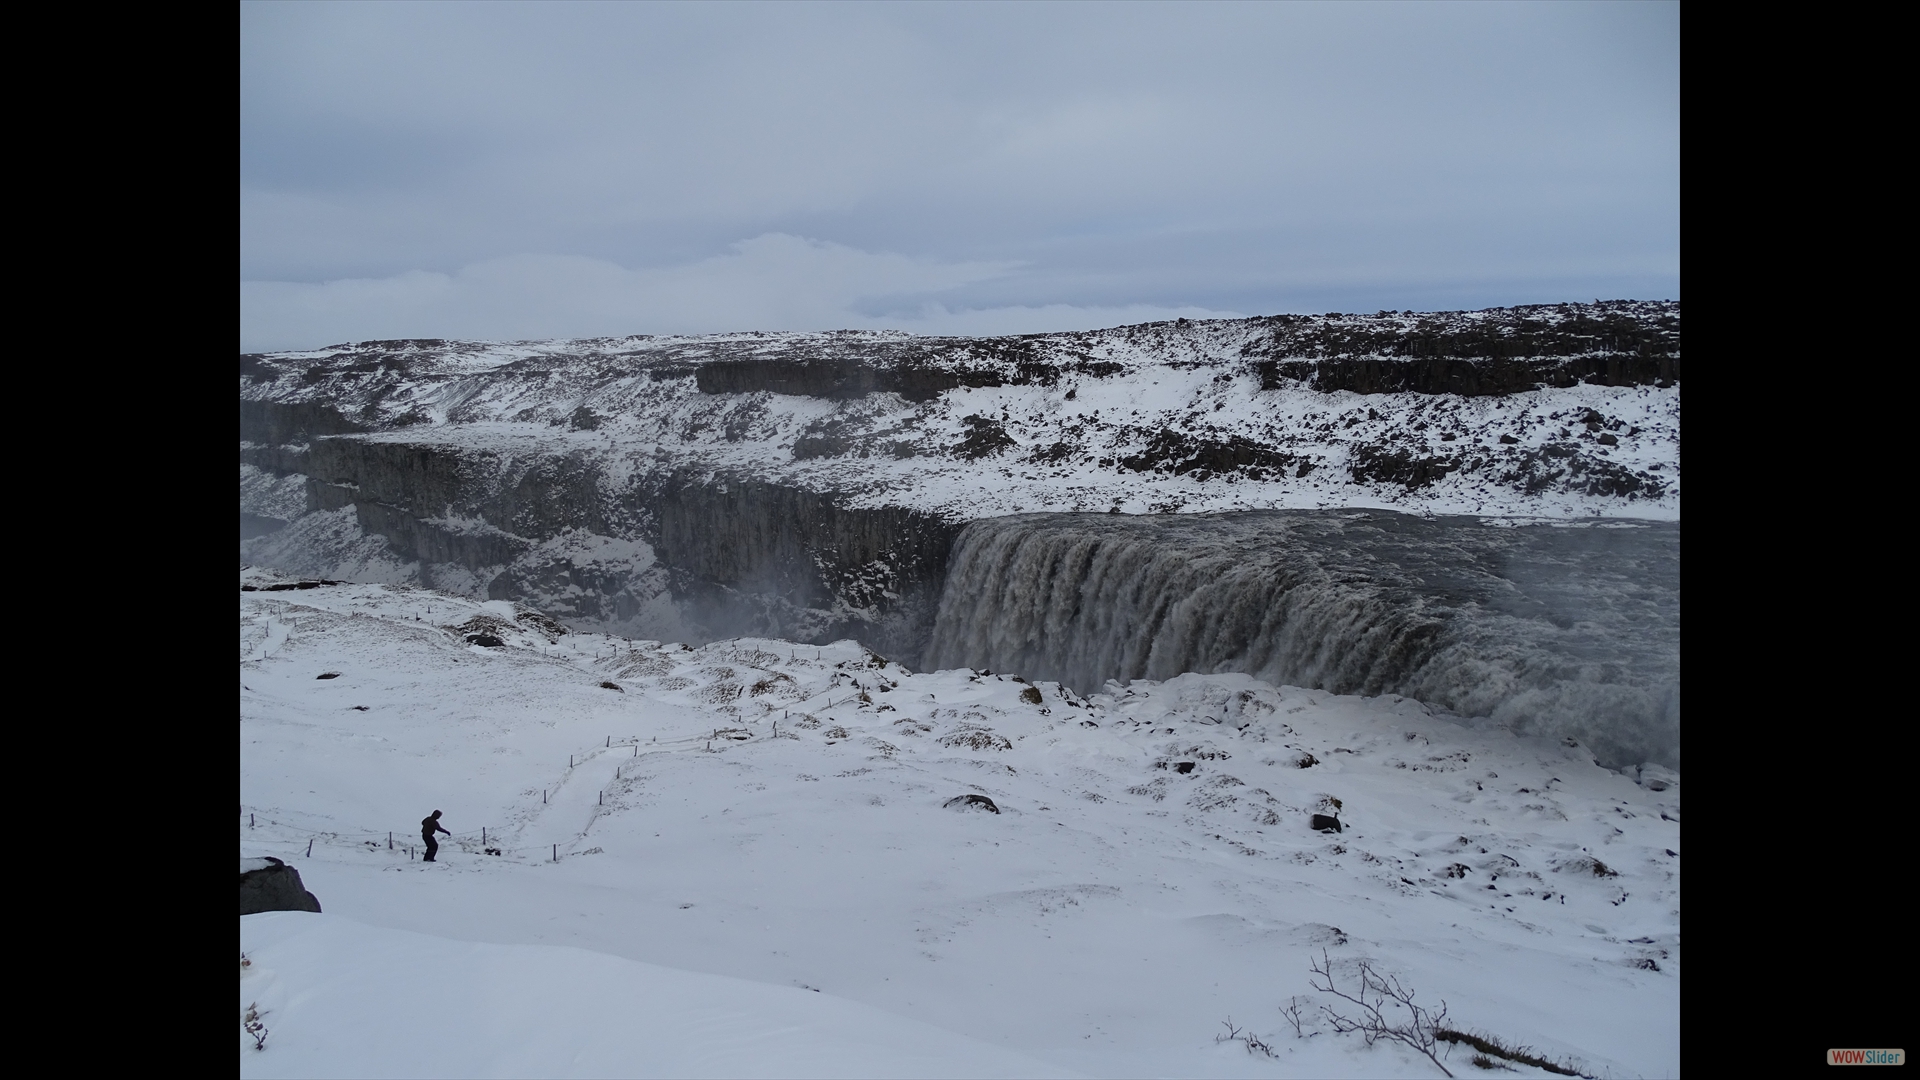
(271, 885)
(971, 802)
(1326, 823)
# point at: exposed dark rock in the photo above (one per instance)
(1586, 864)
(328, 675)
(1509, 440)
(1377, 464)
(252, 525)
(971, 802)
(1031, 695)
(274, 422)
(985, 436)
(487, 640)
(1325, 823)
(814, 446)
(1179, 453)
(835, 379)
(778, 561)
(1562, 467)
(1501, 351)
(276, 887)
(280, 460)
(976, 740)
(1183, 767)
(544, 624)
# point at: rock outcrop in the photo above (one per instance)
(271, 885)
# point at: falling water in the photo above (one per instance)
(1547, 629)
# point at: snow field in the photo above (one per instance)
(1105, 922)
(414, 1005)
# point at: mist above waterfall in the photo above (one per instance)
(1561, 630)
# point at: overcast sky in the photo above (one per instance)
(554, 170)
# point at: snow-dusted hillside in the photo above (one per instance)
(782, 814)
(1181, 417)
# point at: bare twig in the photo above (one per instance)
(1291, 1010)
(1255, 1044)
(1419, 1030)
(252, 1025)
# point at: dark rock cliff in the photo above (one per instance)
(740, 555)
(770, 559)
(276, 887)
(1504, 351)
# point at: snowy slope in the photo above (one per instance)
(1151, 871)
(418, 1005)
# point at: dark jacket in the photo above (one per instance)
(428, 825)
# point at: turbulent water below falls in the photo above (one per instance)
(1559, 630)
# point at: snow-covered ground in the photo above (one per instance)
(741, 860)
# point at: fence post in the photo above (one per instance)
(309, 847)
(609, 742)
(483, 836)
(389, 841)
(556, 853)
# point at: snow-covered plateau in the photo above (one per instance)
(1339, 642)
(756, 858)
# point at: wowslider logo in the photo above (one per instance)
(1866, 1057)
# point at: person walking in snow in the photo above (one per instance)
(427, 827)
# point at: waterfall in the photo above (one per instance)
(1563, 630)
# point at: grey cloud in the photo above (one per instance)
(1223, 157)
